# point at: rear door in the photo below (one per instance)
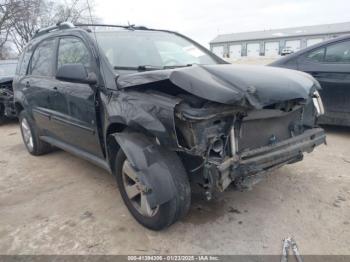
(38, 86)
(81, 121)
(330, 65)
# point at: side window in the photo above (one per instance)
(316, 55)
(73, 51)
(42, 59)
(338, 53)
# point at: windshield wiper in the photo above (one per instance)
(138, 68)
(178, 66)
(149, 67)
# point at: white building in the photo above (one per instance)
(271, 42)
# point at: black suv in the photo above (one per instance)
(161, 112)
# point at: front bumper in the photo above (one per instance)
(269, 157)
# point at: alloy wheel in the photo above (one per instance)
(136, 192)
(27, 134)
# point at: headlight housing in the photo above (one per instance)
(316, 99)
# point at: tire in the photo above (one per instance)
(36, 147)
(165, 214)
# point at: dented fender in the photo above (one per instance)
(155, 165)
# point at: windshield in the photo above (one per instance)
(150, 49)
(7, 69)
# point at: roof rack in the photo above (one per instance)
(130, 27)
(58, 26)
(69, 25)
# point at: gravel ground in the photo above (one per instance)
(60, 204)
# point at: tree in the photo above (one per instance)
(5, 20)
(27, 16)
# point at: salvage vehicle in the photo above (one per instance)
(7, 71)
(329, 63)
(161, 112)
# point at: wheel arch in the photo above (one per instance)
(19, 108)
(156, 165)
(112, 144)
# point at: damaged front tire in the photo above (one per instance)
(134, 195)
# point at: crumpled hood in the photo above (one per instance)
(242, 85)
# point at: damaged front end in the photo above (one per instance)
(224, 144)
(233, 123)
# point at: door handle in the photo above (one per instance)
(55, 88)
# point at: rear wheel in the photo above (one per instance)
(135, 198)
(30, 136)
(2, 113)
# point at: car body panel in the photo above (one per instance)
(334, 79)
(249, 86)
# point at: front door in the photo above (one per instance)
(81, 124)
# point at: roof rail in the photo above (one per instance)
(58, 26)
(131, 27)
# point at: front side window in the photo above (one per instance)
(316, 55)
(73, 51)
(135, 48)
(42, 59)
(338, 53)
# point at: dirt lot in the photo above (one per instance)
(60, 204)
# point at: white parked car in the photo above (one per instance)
(287, 51)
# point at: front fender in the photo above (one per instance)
(155, 165)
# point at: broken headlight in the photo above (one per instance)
(316, 99)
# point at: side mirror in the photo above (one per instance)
(75, 73)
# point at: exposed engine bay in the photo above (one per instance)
(227, 145)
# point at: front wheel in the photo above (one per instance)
(135, 199)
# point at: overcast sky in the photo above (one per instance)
(202, 20)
